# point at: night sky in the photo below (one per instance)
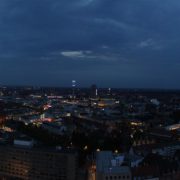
(112, 43)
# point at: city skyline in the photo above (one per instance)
(121, 44)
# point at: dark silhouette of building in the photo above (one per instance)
(93, 91)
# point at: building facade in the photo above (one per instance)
(109, 167)
(35, 163)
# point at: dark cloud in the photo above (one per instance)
(120, 43)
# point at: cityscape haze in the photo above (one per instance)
(89, 90)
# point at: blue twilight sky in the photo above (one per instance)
(113, 43)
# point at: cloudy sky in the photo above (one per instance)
(113, 43)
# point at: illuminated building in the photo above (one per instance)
(109, 167)
(73, 87)
(22, 161)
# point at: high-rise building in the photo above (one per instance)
(22, 161)
(73, 88)
(94, 91)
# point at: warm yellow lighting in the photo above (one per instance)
(136, 123)
(85, 147)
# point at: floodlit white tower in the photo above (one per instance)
(73, 87)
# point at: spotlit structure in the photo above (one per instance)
(109, 91)
(73, 87)
(110, 166)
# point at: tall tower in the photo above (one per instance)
(94, 91)
(73, 88)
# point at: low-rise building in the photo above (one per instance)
(109, 167)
